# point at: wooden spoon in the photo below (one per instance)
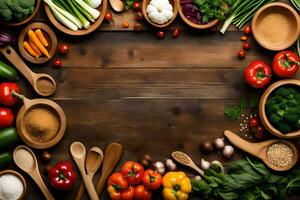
(259, 150)
(43, 84)
(111, 157)
(117, 5)
(26, 160)
(93, 162)
(184, 159)
(78, 153)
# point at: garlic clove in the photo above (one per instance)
(204, 164)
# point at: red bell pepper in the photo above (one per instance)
(62, 176)
(6, 117)
(286, 64)
(6, 90)
(258, 74)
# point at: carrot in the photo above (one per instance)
(34, 47)
(30, 50)
(36, 41)
(41, 37)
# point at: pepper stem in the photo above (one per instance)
(15, 94)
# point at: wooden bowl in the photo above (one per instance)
(174, 3)
(49, 35)
(15, 24)
(94, 25)
(20, 177)
(192, 24)
(30, 104)
(277, 35)
(262, 112)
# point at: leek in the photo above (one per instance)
(83, 20)
(62, 4)
(65, 13)
(93, 12)
(84, 12)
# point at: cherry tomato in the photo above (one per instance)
(247, 30)
(176, 33)
(246, 46)
(133, 172)
(139, 16)
(160, 34)
(118, 181)
(138, 27)
(214, 29)
(136, 6)
(108, 16)
(241, 54)
(253, 122)
(64, 49)
(259, 134)
(142, 193)
(152, 180)
(57, 63)
(125, 24)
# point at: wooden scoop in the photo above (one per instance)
(184, 159)
(259, 150)
(78, 153)
(26, 160)
(117, 5)
(93, 162)
(111, 157)
(43, 84)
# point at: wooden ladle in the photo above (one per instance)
(111, 157)
(117, 5)
(43, 84)
(260, 149)
(78, 153)
(185, 160)
(26, 160)
(93, 162)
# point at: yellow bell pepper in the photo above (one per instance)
(177, 186)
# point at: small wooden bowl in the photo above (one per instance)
(49, 35)
(193, 25)
(20, 177)
(263, 37)
(15, 24)
(94, 25)
(30, 104)
(262, 111)
(174, 3)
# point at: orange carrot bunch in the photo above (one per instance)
(37, 43)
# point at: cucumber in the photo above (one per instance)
(7, 72)
(5, 159)
(8, 137)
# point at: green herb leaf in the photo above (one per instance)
(233, 112)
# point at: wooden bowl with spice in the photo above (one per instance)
(13, 184)
(41, 123)
(174, 4)
(288, 83)
(47, 41)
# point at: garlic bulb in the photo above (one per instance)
(160, 11)
(159, 167)
(228, 151)
(204, 164)
(170, 165)
(219, 143)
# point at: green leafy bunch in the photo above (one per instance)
(15, 10)
(246, 180)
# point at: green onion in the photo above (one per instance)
(296, 4)
(62, 4)
(84, 12)
(86, 23)
(93, 12)
(241, 12)
(298, 46)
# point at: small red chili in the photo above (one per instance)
(247, 30)
(241, 54)
(246, 46)
(176, 33)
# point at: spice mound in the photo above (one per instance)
(45, 86)
(280, 155)
(11, 187)
(41, 124)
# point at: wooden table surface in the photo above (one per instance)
(152, 96)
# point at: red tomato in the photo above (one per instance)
(253, 122)
(108, 16)
(160, 34)
(118, 181)
(133, 172)
(241, 54)
(247, 30)
(246, 46)
(142, 193)
(57, 63)
(176, 33)
(286, 64)
(128, 194)
(64, 49)
(258, 74)
(136, 6)
(152, 180)
(6, 117)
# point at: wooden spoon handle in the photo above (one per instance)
(37, 178)
(246, 146)
(17, 61)
(80, 192)
(90, 188)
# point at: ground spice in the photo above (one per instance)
(41, 124)
(280, 155)
(44, 85)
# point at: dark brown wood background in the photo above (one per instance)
(152, 96)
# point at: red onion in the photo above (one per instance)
(6, 39)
